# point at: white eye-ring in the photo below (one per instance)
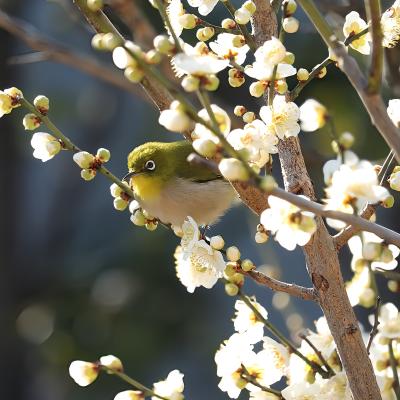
(150, 165)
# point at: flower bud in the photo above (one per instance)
(281, 86)
(249, 117)
(112, 363)
(162, 44)
(103, 155)
(201, 48)
(233, 253)
(138, 218)
(242, 16)
(239, 41)
(6, 104)
(151, 225)
(42, 104)
(261, 237)
(322, 73)
(205, 147)
(83, 159)
(110, 41)
(233, 170)
(133, 206)
(388, 202)
(15, 94)
(115, 190)
(250, 6)
(120, 204)
(217, 242)
(346, 140)
(236, 81)
(31, 122)
(212, 83)
(237, 279)
(122, 59)
(394, 180)
(95, 5)
(290, 24)
(134, 74)
(247, 265)
(302, 74)
(88, 174)
(228, 23)
(230, 269)
(83, 373)
(231, 289)
(239, 111)
(175, 120)
(257, 89)
(289, 58)
(190, 83)
(393, 286)
(97, 41)
(386, 255)
(290, 7)
(268, 183)
(188, 21)
(367, 298)
(153, 57)
(204, 34)
(130, 395)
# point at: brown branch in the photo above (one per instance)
(49, 50)
(373, 8)
(279, 286)
(374, 330)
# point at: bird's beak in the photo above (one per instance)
(129, 175)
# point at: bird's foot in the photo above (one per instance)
(203, 231)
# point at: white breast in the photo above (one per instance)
(204, 202)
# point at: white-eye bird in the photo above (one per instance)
(169, 188)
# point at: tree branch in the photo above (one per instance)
(278, 286)
(373, 102)
(50, 50)
(373, 8)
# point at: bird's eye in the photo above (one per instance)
(150, 165)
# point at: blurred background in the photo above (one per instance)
(77, 279)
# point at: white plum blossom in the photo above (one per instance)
(352, 187)
(111, 362)
(190, 235)
(224, 48)
(359, 286)
(302, 391)
(290, 225)
(281, 118)
(198, 65)
(393, 111)
(45, 146)
(204, 6)
(322, 339)
(389, 321)
(390, 23)
(172, 387)
(5, 104)
(355, 24)
(246, 321)
(83, 373)
(258, 142)
(223, 120)
(278, 358)
(331, 166)
(394, 179)
(175, 10)
(202, 266)
(312, 115)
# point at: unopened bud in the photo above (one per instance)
(346, 140)
(302, 74)
(103, 155)
(138, 218)
(231, 289)
(228, 23)
(289, 58)
(134, 74)
(242, 16)
(268, 183)
(239, 41)
(120, 204)
(111, 362)
(95, 5)
(42, 104)
(211, 84)
(110, 41)
(257, 89)
(153, 57)
(162, 44)
(97, 41)
(233, 253)
(290, 24)
(88, 174)
(249, 117)
(204, 34)
(188, 21)
(247, 265)
(31, 122)
(151, 225)
(250, 6)
(190, 83)
(217, 242)
(233, 170)
(322, 73)
(239, 111)
(261, 237)
(205, 147)
(83, 159)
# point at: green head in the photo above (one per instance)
(166, 161)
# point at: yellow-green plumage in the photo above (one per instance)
(175, 189)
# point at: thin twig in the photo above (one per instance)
(373, 8)
(251, 379)
(318, 353)
(374, 330)
(279, 286)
